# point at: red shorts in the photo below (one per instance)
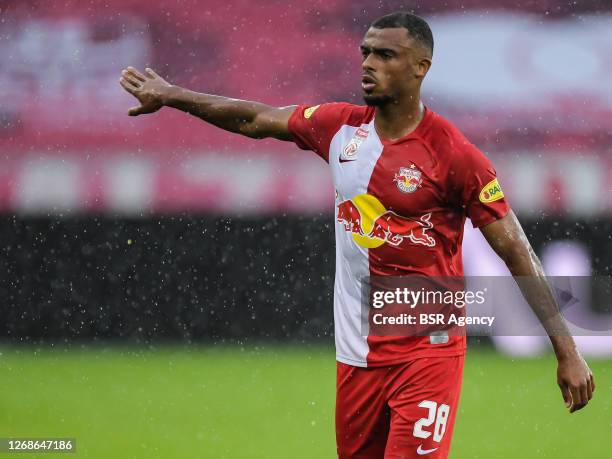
(403, 411)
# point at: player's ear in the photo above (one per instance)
(422, 67)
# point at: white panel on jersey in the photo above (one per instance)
(351, 178)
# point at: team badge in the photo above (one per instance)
(350, 151)
(408, 179)
(309, 111)
(491, 192)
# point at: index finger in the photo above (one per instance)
(127, 86)
(136, 73)
(576, 399)
(151, 73)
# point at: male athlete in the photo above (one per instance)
(405, 179)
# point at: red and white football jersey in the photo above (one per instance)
(400, 210)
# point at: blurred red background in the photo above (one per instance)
(529, 84)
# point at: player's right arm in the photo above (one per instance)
(251, 119)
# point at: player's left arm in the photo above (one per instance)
(508, 240)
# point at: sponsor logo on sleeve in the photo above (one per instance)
(491, 192)
(309, 111)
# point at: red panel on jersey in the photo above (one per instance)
(404, 205)
(314, 126)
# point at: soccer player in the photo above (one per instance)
(406, 179)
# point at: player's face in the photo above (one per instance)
(393, 66)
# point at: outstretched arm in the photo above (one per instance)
(251, 119)
(574, 377)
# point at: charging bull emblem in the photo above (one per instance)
(393, 228)
(371, 225)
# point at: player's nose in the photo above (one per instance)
(366, 65)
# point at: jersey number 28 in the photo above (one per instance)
(437, 414)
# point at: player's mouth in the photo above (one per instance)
(368, 83)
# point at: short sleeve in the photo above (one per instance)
(313, 126)
(479, 189)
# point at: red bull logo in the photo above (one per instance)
(371, 225)
(408, 179)
(393, 228)
(348, 214)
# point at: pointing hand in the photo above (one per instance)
(149, 88)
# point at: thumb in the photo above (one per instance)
(135, 111)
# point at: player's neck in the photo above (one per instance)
(396, 120)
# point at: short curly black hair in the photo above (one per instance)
(417, 27)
